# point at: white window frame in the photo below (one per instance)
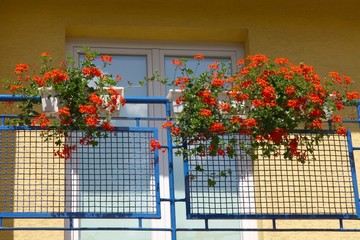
(156, 52)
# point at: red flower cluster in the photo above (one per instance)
(218, 82)
(257, 60)
(95, 99)
(352, 95)
(199, 56)
(21, 68)
(42, 119)
(205, 112)
(64, 111)
(167, 124)
(264, 100)
(155, 144)
(92, 121)
(181, 81)
(65, 152)
(177, 62)
(107, 126)
(71, 86)
(115, 101)
(207, 98)
(88, 109)
(214, 66)
(224, 107)
(91, 72)
(106, 59)
(217, 127)
(14, 88)
(57, 75)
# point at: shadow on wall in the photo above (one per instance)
(7, 179)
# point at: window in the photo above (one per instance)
(133, 61)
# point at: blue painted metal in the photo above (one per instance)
(273, 216)
(173, 229)
(240, 229)
(157, 175)
(71, 214)
(171, 177)
(187, 184)
(149, 100)
(353, 173)
(274, 223)
(358, 112)
(15, 98)
(208, 213)
(152, 100)
(341, 224)
(71, 223)
(14, 128)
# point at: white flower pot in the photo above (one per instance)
(50, 103)
(176, 93)
(105, 99)
(48, 100)
(172, 96)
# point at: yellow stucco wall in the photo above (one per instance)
(324, 33)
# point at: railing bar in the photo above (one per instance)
(19, 98)
(358, 111)
(353, 173)
(171, 177)
(351, 121)
(271, 229)
(182, 229)
(341, 224)
(117, 118)
(207, 224)
(15, 98)
(175, 200)
(274, 224)
(83, 229)
(71, 223)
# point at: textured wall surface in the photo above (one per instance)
(324, 33)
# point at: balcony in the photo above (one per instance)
(122, 179)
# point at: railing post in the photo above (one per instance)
(358, 112)
(171, 177)
(353, 173)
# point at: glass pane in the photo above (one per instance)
(198, 66)
(132, 70)
(178, 165)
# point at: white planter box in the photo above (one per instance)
(50, 103)
(48, 100)
(173, 94)
(176, 93)
(105, 98)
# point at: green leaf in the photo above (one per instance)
(211, 183)
(198, 168)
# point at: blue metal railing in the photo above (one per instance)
(213, 212)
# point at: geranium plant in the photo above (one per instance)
(84, 92)
(264, 100)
